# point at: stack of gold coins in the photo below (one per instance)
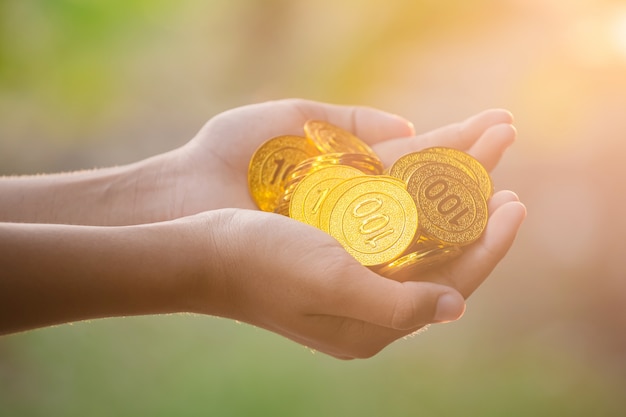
(366, 164)
(417, 215)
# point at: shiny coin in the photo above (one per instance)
(271, 165)
(282, 208)
(405, 267)
(373, 217)
(480, 173)
(450, 206)
(332, 139)
(308, 196)
(406, 165)
(365, 163)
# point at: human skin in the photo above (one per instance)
(179, 232)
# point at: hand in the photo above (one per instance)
(213, 167)
(297, 281)
(230, 259)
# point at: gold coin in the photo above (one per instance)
(332, 139)
(364, 163)
(407, 164)
(450, 206)
(271, 165)
(307, 198)
(405, 267)
(373, 217)
(282, 208)
(480, 173)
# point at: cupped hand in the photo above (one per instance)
(213, 166)
(297, 281)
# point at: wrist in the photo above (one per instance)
(171, 185)
(87, 272)
(177, 264)
(224, 241)
(150, 190)
(208, 287)
(142, 192)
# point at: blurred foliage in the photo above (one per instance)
(59, 60)
(192, 366)
(60, 43)
(70, 69)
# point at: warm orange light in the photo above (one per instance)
(618, 33)
(599, 37)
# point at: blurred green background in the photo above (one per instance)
(86, 83)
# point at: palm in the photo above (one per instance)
(217, 163)
(222, 150)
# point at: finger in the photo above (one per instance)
(442, 275)
(338, 336)
(490, 147)
(313, 336)
(362, 339)
(364, 295)
(368, 124)
(344, 338)
(256, 123)
(457, 135)
(468, 271)
(500, 198)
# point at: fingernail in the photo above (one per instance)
(450, 307)
(411, 128)
(407, 123)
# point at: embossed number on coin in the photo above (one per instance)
(451, 207)
(271, 164)
(308, 196)
(374, 218)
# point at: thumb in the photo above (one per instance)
(397, 305)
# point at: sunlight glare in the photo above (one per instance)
(598, 38)
(618, 33)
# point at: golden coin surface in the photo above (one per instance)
(407, 164)
(450, 206)
(271, 165)
(480, 173)
(365, 163)
(282, 208)
(331, 139)
(373, 217)
(405, 267)
(307, 197)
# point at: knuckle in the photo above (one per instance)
(404, 314)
